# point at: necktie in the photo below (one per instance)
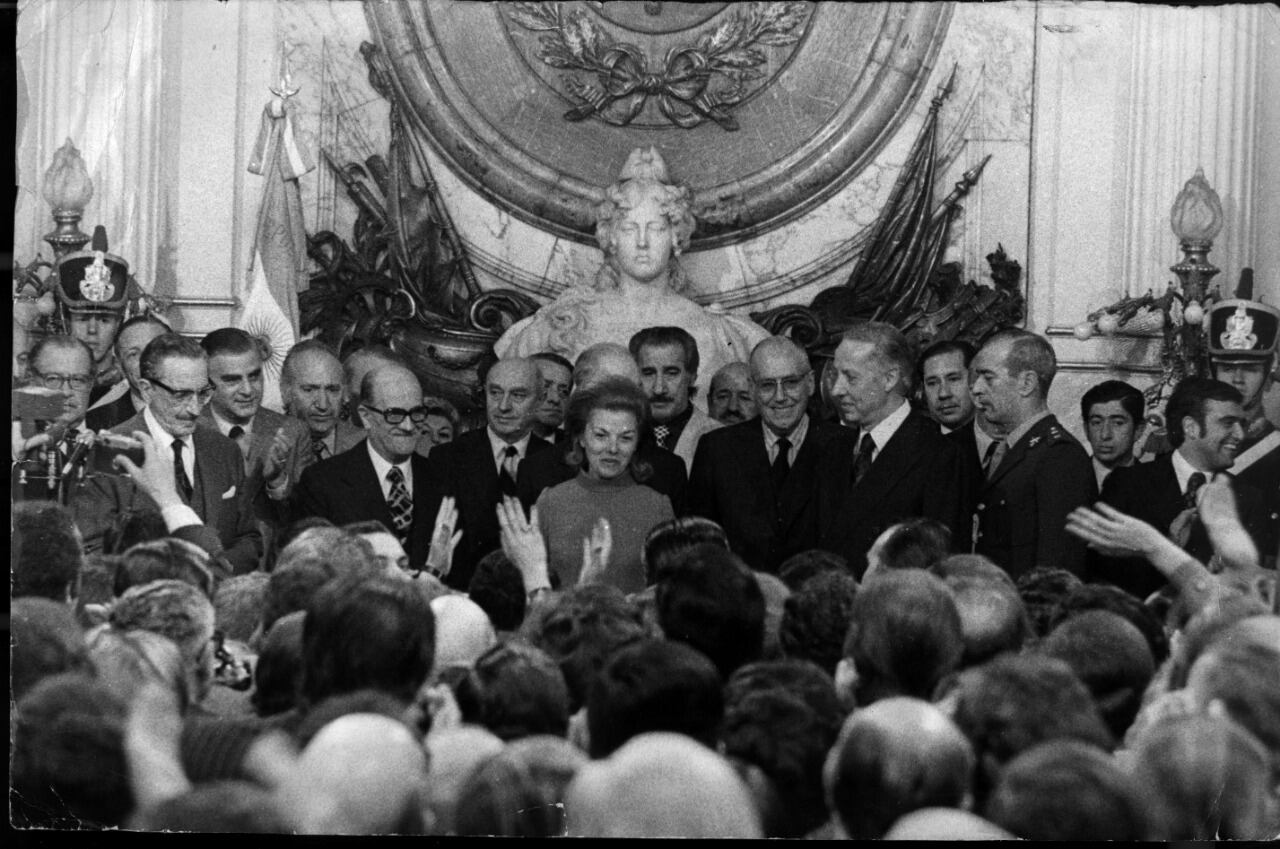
(399, 502)
(781, 464)
(995, 453)
(660, 434)
(507, 475)
(862, 462)
(180, 479)
(1194, 483)
(236, 435)
(319, 448)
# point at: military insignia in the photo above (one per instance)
(96, 285)
(1032, 443)
(1239, 335)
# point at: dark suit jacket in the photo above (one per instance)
(966, 441)
(109, 415)
(1022, 509)
(465, 469)
(917, 474)
(731, 485)
(548, 468)
(345, 489)
(218, 499)
(1150, 492)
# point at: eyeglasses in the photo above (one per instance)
(184, 396)
(395, 415)
(790, 385)
(79, 382)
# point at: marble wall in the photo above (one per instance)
(1094, 114)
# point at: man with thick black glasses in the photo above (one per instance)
(208, 468)
(381, 478)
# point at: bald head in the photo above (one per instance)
(945, 824)
(730, 399)
(363, 773)
(463, 631)
(661, 785)
(896, 755)
(513, 393)
(607, 359)
(455, 754)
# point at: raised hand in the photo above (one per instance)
(444, 539)
(1231, 542)
(596, 550)
(523, 543)
(1112, 532)
(277, 459)
(155, 475)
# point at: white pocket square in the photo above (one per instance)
(230, 493)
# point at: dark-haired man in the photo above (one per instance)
(1205, 422)
(557, 383)
(668, 360)
(124, 400)
(1038, 473)
(1113, 423)
(208, 467)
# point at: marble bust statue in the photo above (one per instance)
(642, 225)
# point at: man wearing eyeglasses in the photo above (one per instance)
(756, 478)
(208, 467)
(63, 364)
(382, 478)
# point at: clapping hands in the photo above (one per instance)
(523, 544)
(444, 539)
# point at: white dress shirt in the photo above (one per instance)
(1184, 470)
(883, 432)
(499, 447)
(177, 515)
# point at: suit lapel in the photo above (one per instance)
(1017, 453)
(364, 485)
(893, 461)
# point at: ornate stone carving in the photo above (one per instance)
(695, 82)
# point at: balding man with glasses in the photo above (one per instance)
(208, 468)
(382, 478)
(756, 478)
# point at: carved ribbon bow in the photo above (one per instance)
(681, 89)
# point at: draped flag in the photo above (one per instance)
(278, 262)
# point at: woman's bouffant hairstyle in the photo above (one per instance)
(614, 395)
(644, 172)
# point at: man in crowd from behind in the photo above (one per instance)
(1039, 473)
(1242, 352)
(124, 400)
(311, 387)
(208, 468)
(731, 400)
(546, 469)
(902, 467)
(668, 360)
(557, 383)
(275, 447)
(755, 478)
(1113, 423)
(1205, 423)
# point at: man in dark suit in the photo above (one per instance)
(903, 466)
(208, 467)
(1205, 423)
(381, 478)
(480, 466)
(755, 478)
(545, 469)
(1039, 473)
(944, 373)
(312, 391)
(274, 446)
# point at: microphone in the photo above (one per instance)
(84, 442)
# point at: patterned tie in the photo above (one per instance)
(1194, 483)
(660, 434)
(180, 479)
(781, 464)
(507, 474)
(319, 448)
(862, 462)
(995, 453)
(399, 502)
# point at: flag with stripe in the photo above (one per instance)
(278, 262)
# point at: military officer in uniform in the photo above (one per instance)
(1039, 473)
(1242, 347)
(93, 289)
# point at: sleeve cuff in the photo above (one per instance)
(179, 516)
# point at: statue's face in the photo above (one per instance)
(643, 240)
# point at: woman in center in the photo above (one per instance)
(605, 423)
